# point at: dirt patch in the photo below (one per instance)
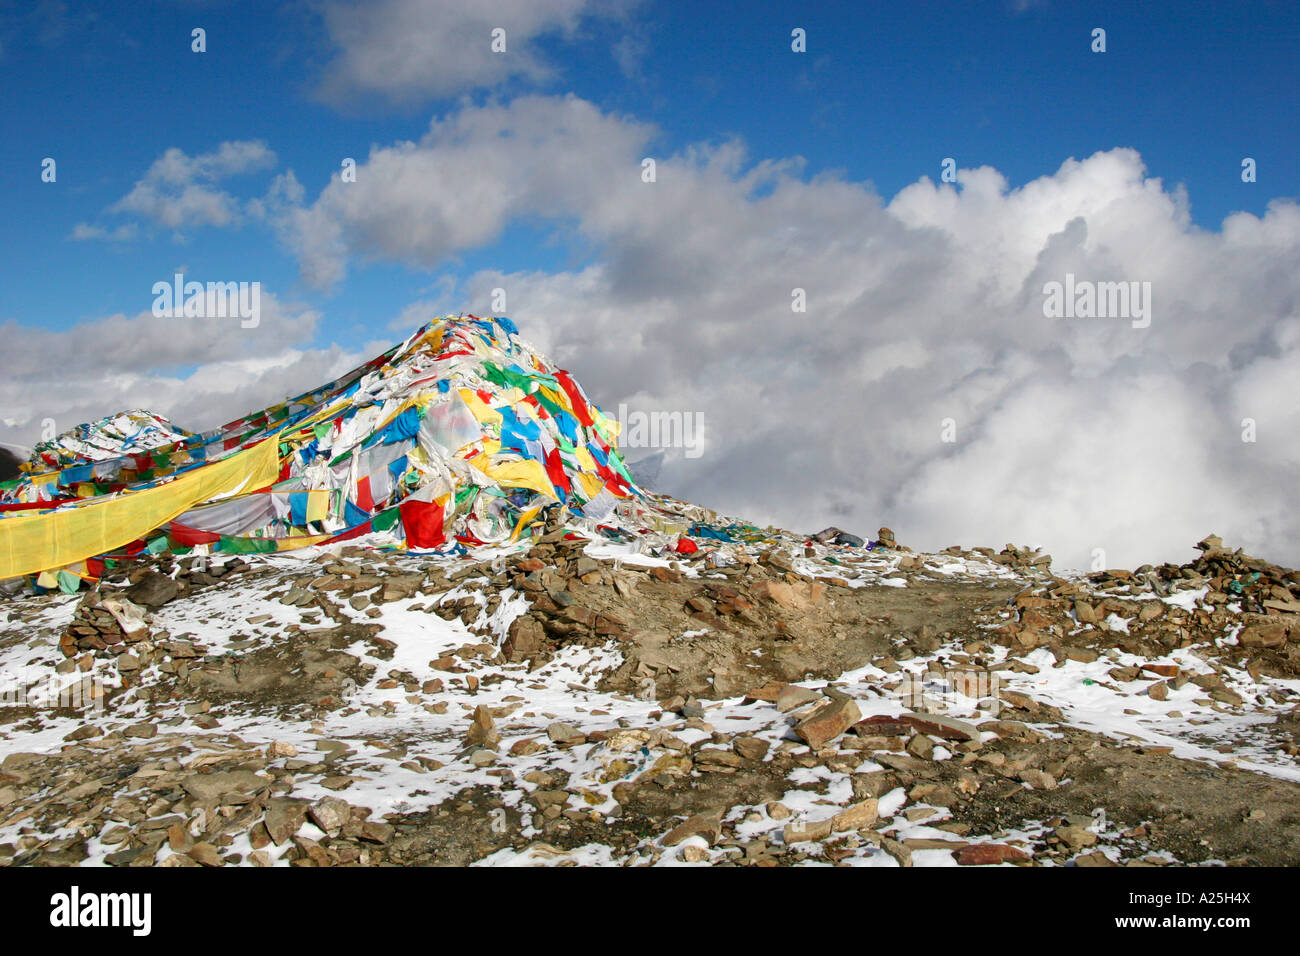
(846, 628)
(1194, 811)
(313, 669)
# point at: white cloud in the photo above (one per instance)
(200, 373)
(410, 50)
(178, 191)
(459, 185)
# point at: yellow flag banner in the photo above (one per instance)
(37, 542)
(523, 473)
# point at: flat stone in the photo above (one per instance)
(565, 735)
(900, 853)
(871, 743)
(1010, 729)
(1076, 838)
(827, 722)
(802, 831)
(330, 814)
(1263, 635)
(124, 857)
(901, 762)
(692, 708)
(525, 640)
(855, 817)
(211, 786)
(284, 815)
(1162, 670)
(525, 747)
(544, 798)
(767, 693)
(931, 843)
(921, 747)
(1038, 779)
(881, 725)
(374, 832)
(751, 748)
(714, 759)
(777, 811)
(938, 725)
(985, 854)
(792, 697)
(1095, 858)
(205, 854)
(701, 825)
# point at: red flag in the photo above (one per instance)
(188, 537)
(350, 533)
(575, 398)
(422, 521)
(555, 471)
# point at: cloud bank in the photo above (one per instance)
(197, 372)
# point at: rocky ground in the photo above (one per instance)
(581, 700)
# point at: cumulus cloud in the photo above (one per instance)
(924, 320)
(411, 50)
(179, 191)
(200, 373)
(459, 185)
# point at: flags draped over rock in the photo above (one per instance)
(461, 434)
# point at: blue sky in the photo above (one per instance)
(884, 92)
(777, 171)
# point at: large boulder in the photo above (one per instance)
(153, 590)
